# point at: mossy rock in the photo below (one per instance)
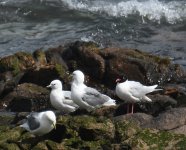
(8, 134)
(62, 72)
(154, 139)
(54, 146)
(89, 128)
(40, 146)
(125, 129)
(9, 146)
(17, 62)
(6, 119)
(40, 57)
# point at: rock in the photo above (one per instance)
(139, 66)
(27, 97)
(154, 139)
(41, 77)
(178, 92)
(105, 65)
(159, 104)
(180, 130)
(129, 133)
(16, 63)
(9, 134)
(107, 111)
(6, 118)
(40, 57)
(140, 119)
(169, 120)
(172, 120)
(23, 67)
(12, 69)
(88, 132)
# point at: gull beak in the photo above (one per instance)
(48, 86)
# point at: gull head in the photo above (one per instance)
(55, 84)
(121, 79)
(78, 76)
(51, 117)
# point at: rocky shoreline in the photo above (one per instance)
(157, 125)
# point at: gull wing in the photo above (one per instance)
(33, 121)
(70, 102)
(93, 97)
(67, 94)
(139, 90)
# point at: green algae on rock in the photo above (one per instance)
(17, 62)
(155, 139)
(88, 132)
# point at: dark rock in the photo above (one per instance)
(105, 65)
(41, 77)
(159, 104)
(178, 92)
(27, 97)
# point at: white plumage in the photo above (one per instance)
(132, 91)
(40, 123)
(86, 97)
(61, 100)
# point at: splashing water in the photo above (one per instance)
(152, 9)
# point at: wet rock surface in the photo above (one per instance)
(160, 124)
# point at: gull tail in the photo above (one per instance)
(153, 88)
(25, 126)
(110, 102)
(145, 98)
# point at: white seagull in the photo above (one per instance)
(61, 100)
(40, 123)
(132, 91)
(86, 97)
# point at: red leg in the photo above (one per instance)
(132, 108)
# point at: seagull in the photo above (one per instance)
(40, 123)
(61, 100)
(132, 91)
(86, 97)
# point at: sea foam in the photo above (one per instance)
(153, 10)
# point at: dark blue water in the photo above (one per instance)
(155, 26)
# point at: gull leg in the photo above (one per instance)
(132, 108)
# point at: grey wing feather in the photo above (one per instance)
(70, 102)
(93, 97)
(67, 94)
(33, 121)
(91, 91)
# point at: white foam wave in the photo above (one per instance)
(152, 9)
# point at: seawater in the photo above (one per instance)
(155, 26)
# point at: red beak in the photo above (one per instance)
(117, 80)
